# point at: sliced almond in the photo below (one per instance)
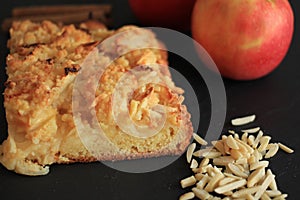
(236, 154)
(218, 170)
(232, 176)
(199, 176)
(257, 139)
(249, 197)
(226, 148)
(219, 146)
(251, 139)
(242, 161)
(213, 182)
(273, 184)
(240, 167)
(273, 193)
(264, 186)
(281, 197)
(264, 141)
(257, 154)
(190, 151)
(187, 196)
(272, 150)
(245, 137)
(236, 170)
(211, 172)
(212, 154)
(226, 180)
(204, 162)
(223, 160)
(255, 177)
(285, 148)
(243, 120)
(197, 170)
(201, 194)
(189, 181)
(236, 136)
(201, 152)
(194, 164)
(231, 142)
(246, 167)
(231, 186)
(265, 197)
(204, 169)
(252, 159)
(261, 164)
(199, 139)
(202, 183)
(251, 130)
(243, 144)
(224, 137)
(245, 191)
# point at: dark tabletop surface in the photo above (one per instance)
(275, 99)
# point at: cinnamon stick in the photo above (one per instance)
(59, 9)
(63, 17)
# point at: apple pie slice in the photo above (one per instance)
(52, 101)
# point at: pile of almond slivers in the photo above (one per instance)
(233, 167)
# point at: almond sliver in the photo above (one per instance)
(190, 151)
(261, 164)
(264, 186)
(189, 181)
(201, 194)
(231, 142)
(236, 170)
(231, 186)
(285, 148)
(194, 164)
(251, 130)
(213, 182)
(199, 139)
(243, 120)
(255, 177)
(187, 196)
(244, 192)
(273, 149)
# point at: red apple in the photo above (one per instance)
(247, 39)
(174, 14)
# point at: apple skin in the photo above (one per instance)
(247, 39)
(175, 14)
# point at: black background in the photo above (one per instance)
(275, 99)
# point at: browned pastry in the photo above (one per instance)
(44, 61)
